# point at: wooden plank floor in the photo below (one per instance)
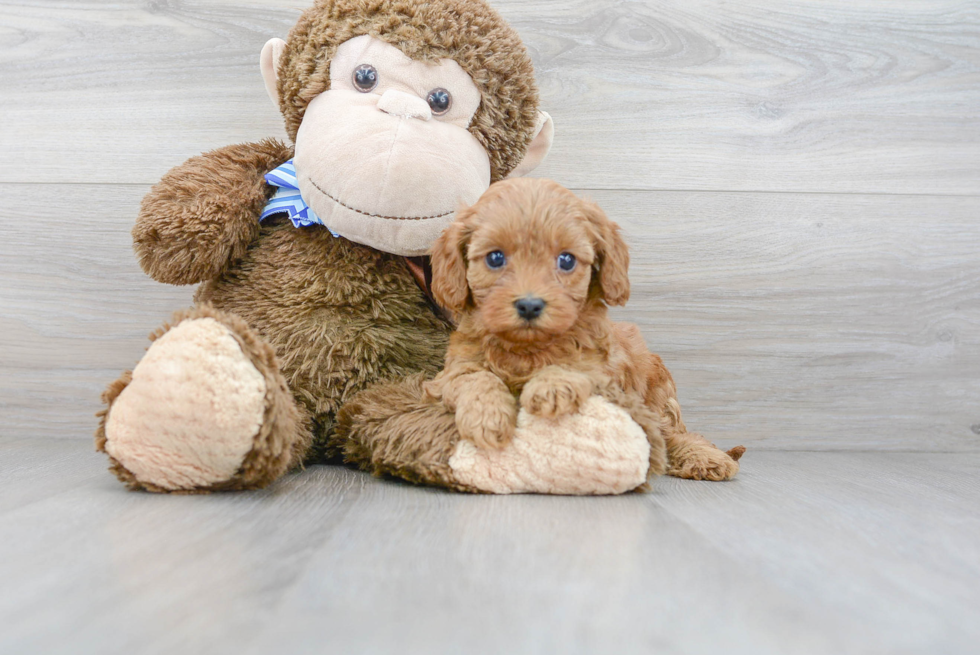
(803, 553)
(800, 185)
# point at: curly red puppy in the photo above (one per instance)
(530, 270)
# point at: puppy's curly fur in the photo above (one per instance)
(530, 270)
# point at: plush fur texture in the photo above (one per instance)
(192, 411)
(550, 364)
(278, 444)
(393, 429)
(576, 454)
(397, 429)
(202, 216)
(467, 31)
(339, 316)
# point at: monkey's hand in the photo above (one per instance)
(486, 411)
(555, 391)
(204, 213)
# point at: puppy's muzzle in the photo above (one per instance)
(529, 307)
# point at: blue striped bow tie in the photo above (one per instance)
(288, 199)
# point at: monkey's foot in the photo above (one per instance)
(698, 459)
(206, 409)
(392, 428)
(598, 450)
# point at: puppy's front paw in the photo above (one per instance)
(705, 463)
(487, 423)
(555, 392)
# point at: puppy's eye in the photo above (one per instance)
(365, 78)
(566, 261)
(439, 101)
(496, 259)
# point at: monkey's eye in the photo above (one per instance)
(566, 261)
(439, 101)
(365, 78)
(496, 259)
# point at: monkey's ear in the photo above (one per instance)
(612, 261)
(269, 63)
(449, 285)
(544, 134)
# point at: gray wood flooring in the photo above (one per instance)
(800, 184)
(810, 552)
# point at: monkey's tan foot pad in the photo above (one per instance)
(598, 451)
(191, 413)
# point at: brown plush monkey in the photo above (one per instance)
(399, 111)
(313, 329)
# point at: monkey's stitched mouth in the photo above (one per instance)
(390, 218)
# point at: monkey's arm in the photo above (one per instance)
(204, 213)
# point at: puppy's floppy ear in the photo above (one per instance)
(449, 285)
(612, 260)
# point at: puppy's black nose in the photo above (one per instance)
(529, 307)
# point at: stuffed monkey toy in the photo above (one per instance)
(310, 260)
